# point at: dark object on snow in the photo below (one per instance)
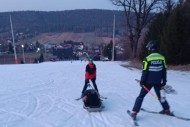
(92, 101)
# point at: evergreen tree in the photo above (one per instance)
(154, 32)
(41, 59)
(186, 32)
(175, 39)
(107, 52)
(171, 29)
(11, 48)
(37, 44)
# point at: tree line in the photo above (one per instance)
(89, 20)
(166, 21)
(171, 30)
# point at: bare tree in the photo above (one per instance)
(138, 14)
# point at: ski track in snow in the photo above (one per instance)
(43, 95)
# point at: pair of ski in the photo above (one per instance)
(135, 123)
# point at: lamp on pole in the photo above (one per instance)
(23, 55)
(38, 49)
(113, 37)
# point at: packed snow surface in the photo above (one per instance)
(43, 95)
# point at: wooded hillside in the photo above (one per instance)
(100, 21)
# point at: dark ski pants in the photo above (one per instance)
(143, 92)
(86, 85)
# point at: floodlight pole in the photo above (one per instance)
(23, 55)
(113, 37)
(14, 48)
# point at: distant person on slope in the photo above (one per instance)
(90, 74)
(153, 75)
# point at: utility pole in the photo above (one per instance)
(14, 48)
(113, 37)
(23, 55)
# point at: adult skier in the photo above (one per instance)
(153, 75)
(90, 74)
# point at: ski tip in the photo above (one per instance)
(128, 111)
(77, 99)
(142, 109)
(103, 97)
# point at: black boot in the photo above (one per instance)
(166, 112)
(134, 115)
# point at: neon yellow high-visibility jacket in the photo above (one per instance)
(154, 70)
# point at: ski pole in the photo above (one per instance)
(155, 97)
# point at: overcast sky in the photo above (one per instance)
(54, 5)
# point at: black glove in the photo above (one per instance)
(142, 84)
(163, 84)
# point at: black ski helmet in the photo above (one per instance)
(152, 45)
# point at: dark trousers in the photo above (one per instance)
(143, 92)
(86, 85)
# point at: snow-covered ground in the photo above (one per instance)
(43, 95)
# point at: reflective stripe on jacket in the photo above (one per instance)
(154, 69)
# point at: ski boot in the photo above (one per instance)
(134, 115)
(166, 112)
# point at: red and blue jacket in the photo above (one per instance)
(90, 72)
